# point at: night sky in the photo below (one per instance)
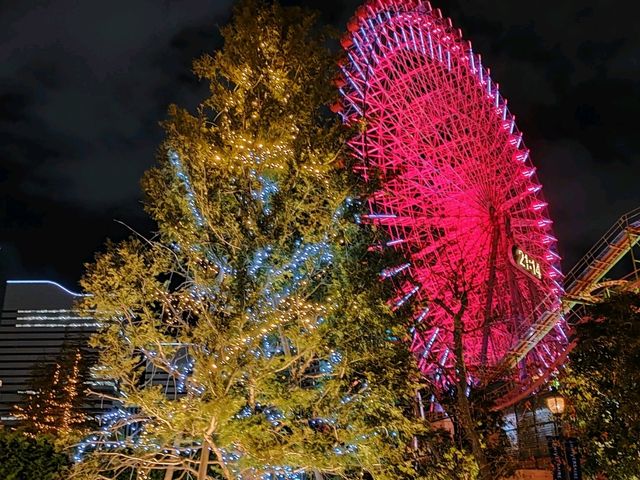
(83, 86)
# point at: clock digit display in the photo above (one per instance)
(527, 263)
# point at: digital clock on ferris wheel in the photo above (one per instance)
(526, 262)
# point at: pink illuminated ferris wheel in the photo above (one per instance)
(457, 196)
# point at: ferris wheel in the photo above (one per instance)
(456, 194)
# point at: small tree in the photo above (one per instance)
(259, 298)
(602, 386)
(25, 457)
(55, 407)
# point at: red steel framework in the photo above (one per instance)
(456, 193)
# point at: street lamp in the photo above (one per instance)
(555, 403)
(563, 451)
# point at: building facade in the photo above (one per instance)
(37, 322)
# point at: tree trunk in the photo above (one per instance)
(468, 426)
(465, 416)
(204, 461)
(221, 462)
(168, 475)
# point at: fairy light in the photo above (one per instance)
(55, 410)
(181, 175)
(268, 188)
(306, 259)
(281, 274)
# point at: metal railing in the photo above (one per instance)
(617, 242)
(623, 235)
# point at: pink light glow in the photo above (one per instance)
(458, 191)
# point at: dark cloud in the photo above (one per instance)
(89, 82)
(84, 84)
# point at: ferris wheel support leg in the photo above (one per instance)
(486, 328)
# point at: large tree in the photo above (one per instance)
(602, 386)
(259, 296)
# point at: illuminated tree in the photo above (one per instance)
(477, 428)
(602, 386)
(55, 406)
(250, 338)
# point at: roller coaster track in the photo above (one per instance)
(581, 281)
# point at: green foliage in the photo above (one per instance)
(602, 385)
(488, 426)
(261, 335)
(26, 458)
(440, 459)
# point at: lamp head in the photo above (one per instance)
(555, 403)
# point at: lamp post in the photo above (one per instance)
(556, 405)
(564, 454)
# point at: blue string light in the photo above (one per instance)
(268, 188)
(174, 158)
